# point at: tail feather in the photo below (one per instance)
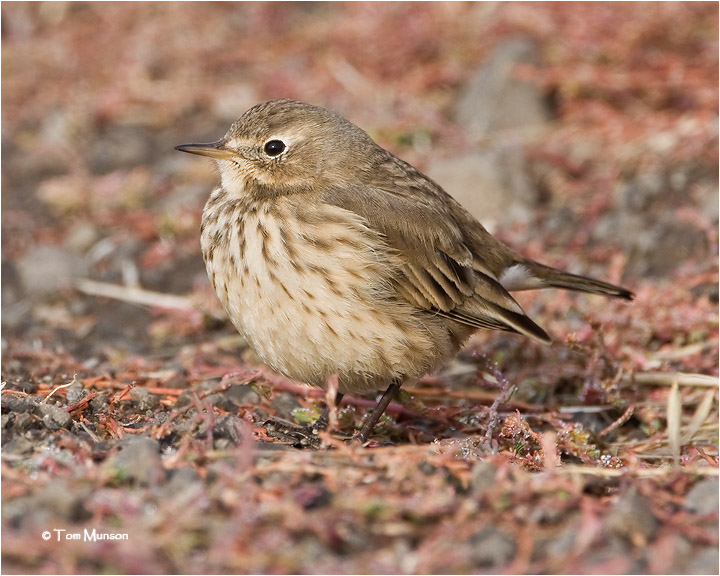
(528, 275)
(590, 285)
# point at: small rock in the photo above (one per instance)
(26, 386)
(493, 183)
(683, 554)
(703, 562)
(649, 205)
(120, 146)
(703, 497)
(62, 500)
(49, 504)
(242, 394)
(75, 393)
(180, 478)
(46, 270)
(483, 476)
(137, 461)
(229, 427)
(491, 548)
(18, 445)
(183, 486)
(426, 468)
(54, 417)
(233, 397)
(185, 398)
(284, 403)
(632, 518)
(614, 550)
(144, 399)
(561, 545)
(99, 403)
(22, 422)
(12, 403)
(495, 99)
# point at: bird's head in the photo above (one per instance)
(286, 147)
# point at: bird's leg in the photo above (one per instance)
(301, 435)
(308, 435)
(367, 428)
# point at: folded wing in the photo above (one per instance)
(439, 269)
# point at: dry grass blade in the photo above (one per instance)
(683, 351)
(639, 473)
(668, 379)
(59, 387)
(674, 417)
(573, 481)
(135, 295)
(700, 416)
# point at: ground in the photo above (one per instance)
(584, 135)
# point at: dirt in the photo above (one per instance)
(133, 436)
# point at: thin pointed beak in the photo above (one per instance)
(213, 150)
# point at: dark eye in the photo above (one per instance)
(274, 147)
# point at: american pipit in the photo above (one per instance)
(332, 256)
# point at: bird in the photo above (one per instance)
(335, 258)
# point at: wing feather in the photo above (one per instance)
(443, 265)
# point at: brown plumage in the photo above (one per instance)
(333, 256)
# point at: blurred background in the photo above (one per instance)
(585, 135)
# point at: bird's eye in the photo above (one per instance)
(274, 147)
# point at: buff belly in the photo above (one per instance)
(315, 300)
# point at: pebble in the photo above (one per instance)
(491, 547)
(137, 460)
(703, 497)
(54, 417)
(632, 518)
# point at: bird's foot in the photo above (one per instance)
(308, 436)
(299, 436)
